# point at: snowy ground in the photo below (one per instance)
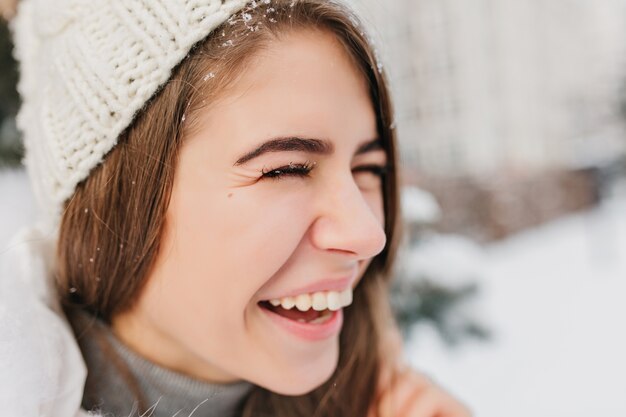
(17, 207)
(554, 298)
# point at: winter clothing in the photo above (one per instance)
(86, 68)
(43, 372)
(169, 392)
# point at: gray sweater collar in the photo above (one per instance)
(168, 392)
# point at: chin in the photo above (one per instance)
(304, 380)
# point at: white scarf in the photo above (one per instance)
(43, 371)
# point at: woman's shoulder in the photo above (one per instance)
(43, 372)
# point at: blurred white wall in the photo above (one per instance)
(503, 85)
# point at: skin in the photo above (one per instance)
(233, 239)
(404, 392)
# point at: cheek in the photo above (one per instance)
(234, 245)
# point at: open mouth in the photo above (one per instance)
(309, 316)
(313, 317)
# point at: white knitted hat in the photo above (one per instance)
(86, 68)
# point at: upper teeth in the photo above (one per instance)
(332, 300)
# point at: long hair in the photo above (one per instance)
(111, 227)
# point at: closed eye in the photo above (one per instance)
(303, 170)
(379, 170)
(299, 170)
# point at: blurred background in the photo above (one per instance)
(511, 117)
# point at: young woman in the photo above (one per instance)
(221, 179)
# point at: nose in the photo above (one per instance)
(348, 219)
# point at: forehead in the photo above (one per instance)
(303, 83)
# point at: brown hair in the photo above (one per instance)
(111, 227)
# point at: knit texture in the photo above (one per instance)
(86, 68)
(167, 392)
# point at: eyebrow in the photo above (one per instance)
(296, 144)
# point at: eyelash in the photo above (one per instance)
(303, 170)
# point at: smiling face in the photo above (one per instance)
(238, 233)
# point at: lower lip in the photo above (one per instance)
(310, 332)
